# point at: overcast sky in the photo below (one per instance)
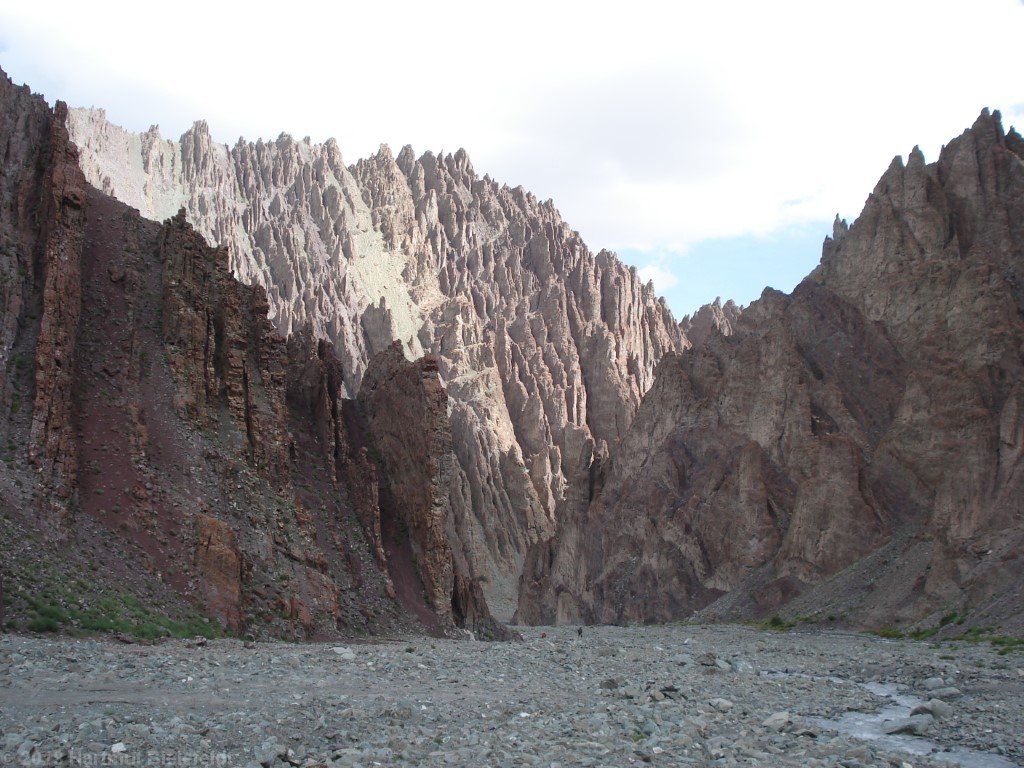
(710, 144)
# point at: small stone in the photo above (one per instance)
(270, 752)
(915, 725)
(932, 683)
(118, 748)
(780, 721)
(937, 708)
(722, 705)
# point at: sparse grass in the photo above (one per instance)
(1006, 645)
(42, 624)
(924, 634)
(112, 614)
(779, 624)
(1002, 644)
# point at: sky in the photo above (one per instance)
(709, 144)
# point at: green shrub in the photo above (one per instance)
(43, 624)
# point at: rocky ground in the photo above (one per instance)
(670, 695)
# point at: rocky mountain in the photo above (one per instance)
(710, 318)
(853, 451)
(545, 349)
(171, 458)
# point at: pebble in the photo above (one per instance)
(671, 695)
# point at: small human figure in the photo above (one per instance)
(579, 632)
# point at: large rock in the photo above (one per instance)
(853, 449)
(405, 407)
(709, 319)
(541, 345)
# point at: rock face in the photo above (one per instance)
(157, 423)
(542, 346)
(41, 225)
(711, 318)
(405, 410)
(219, 568)
(853, 450)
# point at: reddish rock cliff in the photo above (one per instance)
(541, 344)
(405, 409)
(192, 456)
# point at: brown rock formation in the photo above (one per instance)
(711, 318)
(219, 568)
(404, 407)
(406, 410)
(197, 458)
(41, 224)
(853, 449)
(222, 346)
(541, 345)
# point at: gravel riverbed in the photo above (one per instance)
(670, 695)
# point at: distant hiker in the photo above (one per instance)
(579, 632)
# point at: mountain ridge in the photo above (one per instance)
(543, 345)
(852, 449)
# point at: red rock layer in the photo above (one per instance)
(187, 446)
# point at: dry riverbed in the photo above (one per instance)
(673, 695)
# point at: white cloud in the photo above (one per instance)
(663, 279)
(652, 125)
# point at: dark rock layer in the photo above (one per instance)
(541, 344)
(163, 439)
(853, 450)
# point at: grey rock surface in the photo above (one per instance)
(545, 347)
(852, 452)
(542, 701)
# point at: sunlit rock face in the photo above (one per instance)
(710, 319)
(545, 349)
(853, 450)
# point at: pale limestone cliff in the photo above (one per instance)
(545, 349)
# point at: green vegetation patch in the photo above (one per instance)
(113, 613)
